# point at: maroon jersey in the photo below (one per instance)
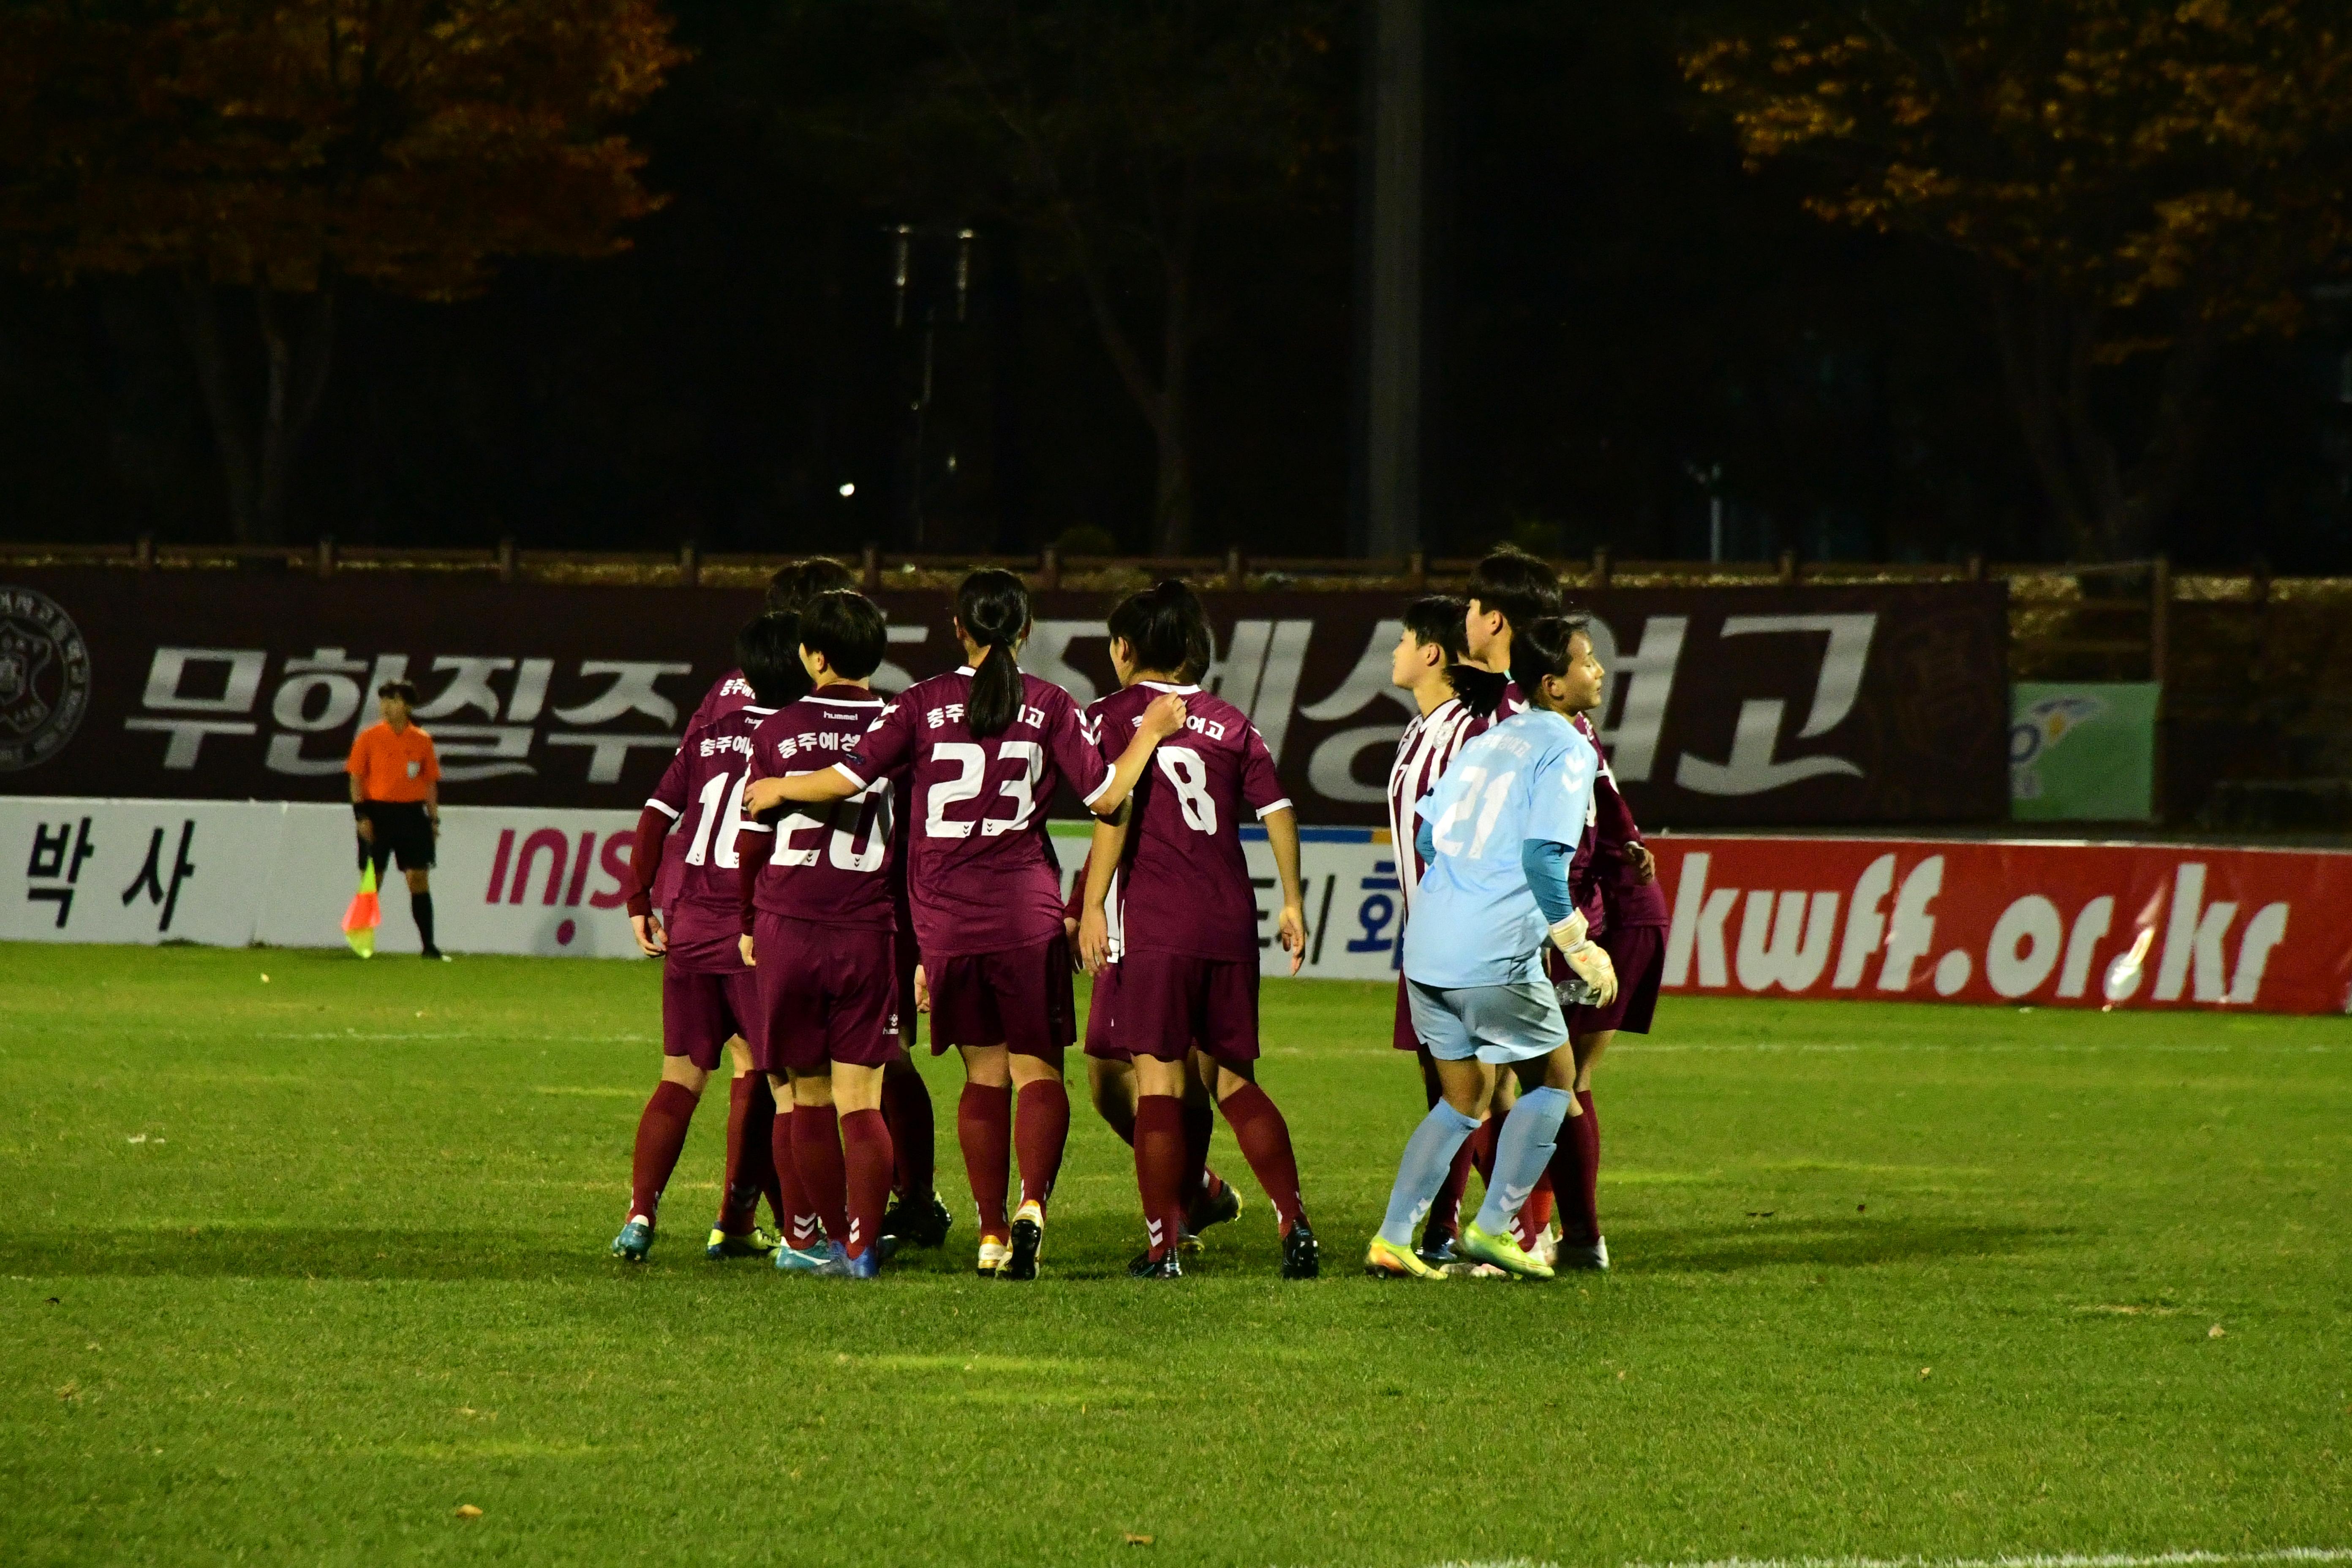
(832, 862)
(978, 876)
(1427, 748)
(702, 791)
(1183, 885)
(1628, 901)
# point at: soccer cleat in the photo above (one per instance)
(1028, 1241)
(1146, 1267)
(802, 1260)
(993, 1256)
(434, 955)
(841, 1265)
(1301, 1258)
(1436, 1249)
(1218, 1208)
(752, 1243)
(1384, 1261)
(636, 1239)
(1595, 1257)
(916, 1222)
(1502, 1252)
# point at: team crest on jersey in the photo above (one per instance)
(44, 679)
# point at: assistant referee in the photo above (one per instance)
(397, 800)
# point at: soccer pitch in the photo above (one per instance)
(296, 1269)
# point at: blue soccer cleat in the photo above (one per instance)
(841, 1265)
(636, 1239)
(801, 1261)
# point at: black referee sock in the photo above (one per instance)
(421, 906)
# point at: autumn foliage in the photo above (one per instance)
(2139, 179)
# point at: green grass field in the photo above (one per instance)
(294, 1269)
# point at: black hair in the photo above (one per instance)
(1435, 621)
(846, 627)
(1540, 647)
(403, 690)
(769, 650)
(993, 607)
(1515, 583)
(1166, 627)
(794, 585)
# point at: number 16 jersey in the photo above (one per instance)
(1183, 883)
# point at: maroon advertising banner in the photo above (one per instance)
(1726, 706)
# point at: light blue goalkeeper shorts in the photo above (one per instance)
(1497, 1024)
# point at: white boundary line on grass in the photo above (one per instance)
(2023, 1560)
(2029, 1560)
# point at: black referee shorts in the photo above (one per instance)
(402, 830)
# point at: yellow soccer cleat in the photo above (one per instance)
(1384, 1261)
(993, 1256)
(1502, 1251)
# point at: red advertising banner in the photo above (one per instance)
(2051, 924)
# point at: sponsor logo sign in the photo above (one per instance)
(44, 677)
(2075, 925)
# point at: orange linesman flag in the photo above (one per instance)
(362, 919)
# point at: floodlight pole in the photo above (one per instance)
(1390, 245)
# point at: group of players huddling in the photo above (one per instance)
(819, 865)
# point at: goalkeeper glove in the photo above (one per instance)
(1588, 960)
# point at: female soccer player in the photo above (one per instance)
(1183, 930)
(988, 745)
(709, 998)
(1635, 933)
(1498, 833)
(818, 922)
(1458, 702)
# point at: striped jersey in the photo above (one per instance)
(1427, 748)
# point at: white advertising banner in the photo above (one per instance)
(508, 880)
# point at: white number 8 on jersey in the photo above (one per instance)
(1189, 775)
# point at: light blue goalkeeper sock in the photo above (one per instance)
(1529, 1134)
(1427, 1155)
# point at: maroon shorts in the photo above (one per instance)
(1099, 1042)
(828, 994)
(1402, 1037)
(1170, 1002)
(1640, 954)
(700, 1012)
(1020, 998)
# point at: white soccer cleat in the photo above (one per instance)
(993, 1256)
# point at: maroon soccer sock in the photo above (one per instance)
(1040, 1129)
(817, 1153)
(1482, 1148)
(799, 1215)
(984, 1128)
(779, 1187)
(1535, 1213)
(1583, 1202)
(1264, 1139)
(1200, 1123)
(736, 1206)
(661, 1133)
(867, 1157)
(907, 1107)
(1160, 1159)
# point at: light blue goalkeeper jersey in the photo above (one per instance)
(1474, 922)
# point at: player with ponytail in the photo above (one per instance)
(986, 747)
(1169, 906)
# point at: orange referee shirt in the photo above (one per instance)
(394, 767)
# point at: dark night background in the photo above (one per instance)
(1613, 300)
